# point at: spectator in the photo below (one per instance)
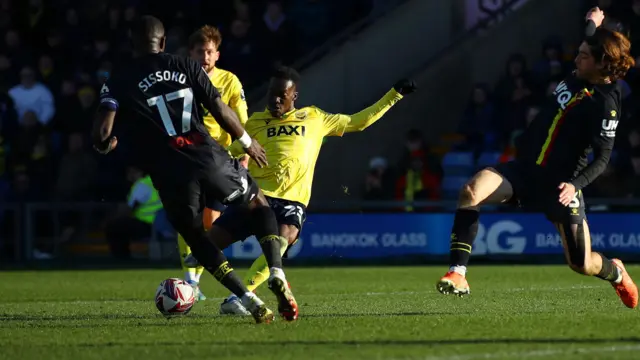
(479, 121)
(416, 147)
(275, 34)
(33, 96)
(379, 181)
(240, 53)
(313, 22)
(133, 221)
(76, 174)
(552, 65)
(418, 183)
(514, 93)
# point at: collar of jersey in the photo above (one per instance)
(266, 111)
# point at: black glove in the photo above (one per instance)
(405, 86)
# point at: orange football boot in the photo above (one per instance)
(453, 283)
(626, 289)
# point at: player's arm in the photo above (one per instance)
(207, 94)
(103, 121)
(603, 135)
(338, 124)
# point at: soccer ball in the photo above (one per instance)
(174, 297)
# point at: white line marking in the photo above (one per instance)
(538, 353)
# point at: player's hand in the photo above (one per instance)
(244, 161)
(257, 153)
(567, 193)
(596, 15)
(405, 86)
(113, 142)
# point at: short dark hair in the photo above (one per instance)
(147, 28)
(286, 73)
(612, 49)
(204, 35)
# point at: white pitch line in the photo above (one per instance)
(537, 353)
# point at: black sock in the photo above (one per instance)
(212, 259)
(465, 228)
(609, 271)
(265, 228)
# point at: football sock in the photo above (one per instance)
(265, 228)
(215, 262)
(189, 273)
(259, 271)
(609, 271)
(465, 228)
(257, 274)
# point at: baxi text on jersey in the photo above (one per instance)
(161, 76)
(368, 240)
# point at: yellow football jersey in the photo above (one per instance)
(293, 144)
(232, 94)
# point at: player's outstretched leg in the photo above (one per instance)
(486, 187)
(265, 228)
(211, 257)
(258, 273)
(190, 274)
(576, 240)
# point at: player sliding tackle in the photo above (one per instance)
(158, 97)
(551, 168)
(292, 138)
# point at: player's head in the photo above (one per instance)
(605, 55)
(283, 91)
(147, 35)
(134, 173)
(204, 45)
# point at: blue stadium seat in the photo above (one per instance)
(458, 163)
(590, 157)
(488, 159)
(451, 186)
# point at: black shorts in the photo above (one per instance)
(183, 195)
(235, 218)
(214, 204)
(538, 193)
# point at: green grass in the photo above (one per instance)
(516, 312)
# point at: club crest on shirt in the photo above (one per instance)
(613, 113)
(301, 115)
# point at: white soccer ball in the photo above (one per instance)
(174, 297)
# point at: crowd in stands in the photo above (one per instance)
(497, 113)
(54, 54)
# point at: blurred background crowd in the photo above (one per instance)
(497, 113)
(54, 54)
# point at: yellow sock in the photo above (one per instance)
(189, 273)
(258, 273)
(259, 270)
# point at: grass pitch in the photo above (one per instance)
(514, 312)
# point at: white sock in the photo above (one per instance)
(250, 300)
(460, 269)
(190, 275)
(196, 277)
(277, 272)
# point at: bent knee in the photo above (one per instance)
(469, 195)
